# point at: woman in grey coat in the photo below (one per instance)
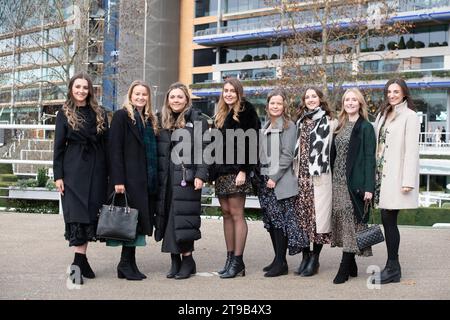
(278, 184)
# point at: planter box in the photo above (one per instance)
(33, 193)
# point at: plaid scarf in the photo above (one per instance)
(148, 136)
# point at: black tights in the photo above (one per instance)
(391, 233)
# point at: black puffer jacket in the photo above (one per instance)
(248, 119)
(173, 199)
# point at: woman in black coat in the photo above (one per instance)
(80, 168)
(181, 175)
(133, 169)
(232, 176)
(353, 163)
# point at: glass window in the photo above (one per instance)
(205, 8)
(204, 57)
(5, 95)
(432, 62)
(433, 103)
(201, 77)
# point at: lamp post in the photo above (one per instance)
(145, 39)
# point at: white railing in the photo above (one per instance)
(427, 199)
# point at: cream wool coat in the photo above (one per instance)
(401, 159)
(322, 191)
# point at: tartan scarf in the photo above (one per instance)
(148, 136)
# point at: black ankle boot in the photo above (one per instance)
(279, 268)
(125, 267)
(312, 267)
(391, 273)
(76, 273)
(344, 268)
(304, 263)
(353, 268)
(134, 265)
(175, 265)
(237, 268)
(187, 268)
(86, 270)
(230, 255)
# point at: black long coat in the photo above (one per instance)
(79, 158)
(129, 167)
(360, 164)
(184, 203)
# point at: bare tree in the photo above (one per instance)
(323, 40)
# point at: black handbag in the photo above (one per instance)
(117, 223)
(371, 235)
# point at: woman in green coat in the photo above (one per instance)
(353, 163)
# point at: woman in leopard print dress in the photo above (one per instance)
(353, 163)
(313, 205)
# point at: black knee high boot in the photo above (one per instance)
(280, 266)
(125, 267)
(175, 265)
(272, 238)
(134, 265)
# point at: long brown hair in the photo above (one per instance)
(343, 116)
(223, 107)
(322, 99)
(285, 114)
(168, 120)
(385, 106)
(69, 107)
(148, 109)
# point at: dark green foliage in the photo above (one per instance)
(411, 44)
(42, 177)
(401, 43)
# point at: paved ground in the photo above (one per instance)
(34, 257)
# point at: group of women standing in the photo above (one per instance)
(342, 166)
(325, 173)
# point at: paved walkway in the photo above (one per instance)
(34, 257)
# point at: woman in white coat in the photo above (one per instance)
(397, 169)
(315, 129)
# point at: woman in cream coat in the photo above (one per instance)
(315, 129)
(397, 173)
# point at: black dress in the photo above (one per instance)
(80, 160)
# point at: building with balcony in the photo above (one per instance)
(41, 47)
(241, 38)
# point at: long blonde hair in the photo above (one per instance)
(69, 107)
(223, 107)
(148, 110)
(343, 117)
(168, 120)
(285, 115)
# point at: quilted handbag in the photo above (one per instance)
(117, 223)
(371, 235)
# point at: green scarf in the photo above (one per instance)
(148, 135)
